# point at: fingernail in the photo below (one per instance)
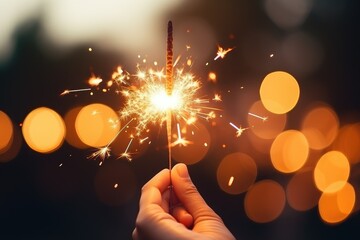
(182, 170)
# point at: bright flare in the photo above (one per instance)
(149, 102)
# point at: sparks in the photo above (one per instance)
(105, 151)
(120, 76)
(217, 98)
(126, 154)
(102, 153)
(67, 91)
(257, 116)
(222, 52)
(180, 141)
(94, 81)
(239, 130)
(149, 102)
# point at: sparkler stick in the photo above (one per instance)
(169, 89)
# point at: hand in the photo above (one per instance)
(190, 218)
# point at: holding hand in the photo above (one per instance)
(190, 218)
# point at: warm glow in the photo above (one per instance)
(331, 172)
(71, 136)
(96, 125)
(271, 127)
(320, 126)
(212, 77)
(279, 92)
(348, 142)
(265, 201)
(6, 132)
(148, 101)
(43, 130)
(236, 173)
(336, 207)
(164, 102)
(301, 192)
(94, 81)
(289, 151)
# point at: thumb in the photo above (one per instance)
(187, 193)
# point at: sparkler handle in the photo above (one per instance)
(168, 130)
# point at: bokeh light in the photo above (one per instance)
(289, 151)
(14, 144)
(71, 136)
(301, 192)
(279, 92)
(265, 201)
(331, 172)
(269, 128)
(320, 126)
(288, 14)
(198, 145)
(43, 130)
(348, 142)
(336, 207)
(6, 135)
(236, 173)
(97, 124)
(302, 53)
(65, 24)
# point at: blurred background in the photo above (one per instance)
(269, 172)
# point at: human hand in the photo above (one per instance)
(190, 218)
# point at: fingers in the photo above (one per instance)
(188, 195)
(160, 181)
(182, 216)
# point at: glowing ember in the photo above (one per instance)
(222, 52)
(239, 130)
(231, 180)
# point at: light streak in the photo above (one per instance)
(257, 116)
(67, 91)
(177, 61)
(231, 180)
(222, 52)
(141, 141)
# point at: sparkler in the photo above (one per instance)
(152, 97)
(169, 87)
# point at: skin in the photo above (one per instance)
(189, 217)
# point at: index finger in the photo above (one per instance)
(160, 182)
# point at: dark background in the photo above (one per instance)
(40, 200)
